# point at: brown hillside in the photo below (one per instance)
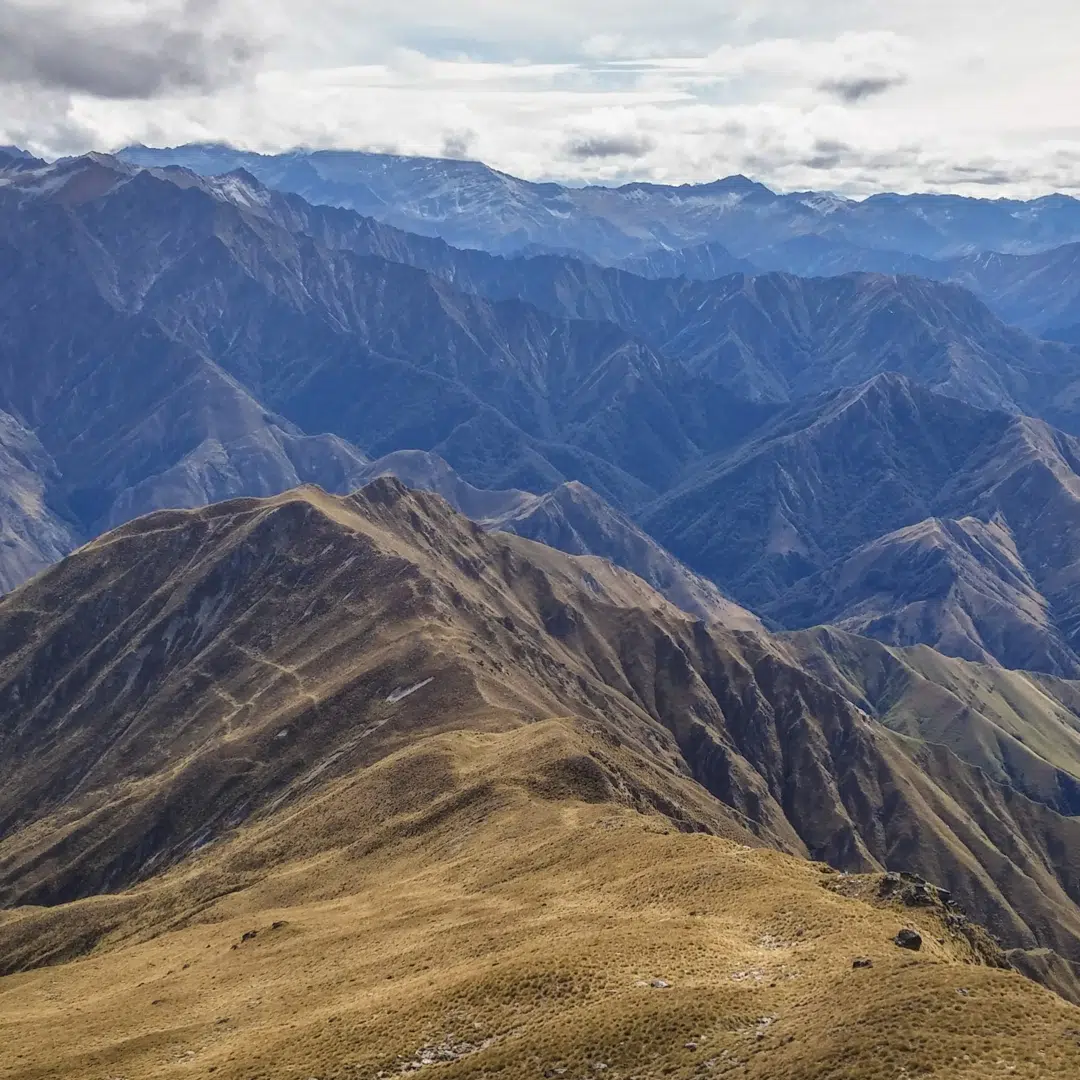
(340, 714)
(478, 904)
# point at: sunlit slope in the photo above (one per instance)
(479, 904)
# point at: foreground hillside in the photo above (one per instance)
(195, 670)
(485, 905)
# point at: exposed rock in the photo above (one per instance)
(909, 939)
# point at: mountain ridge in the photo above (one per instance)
(825, 487)
(461, 202)
(287, 631)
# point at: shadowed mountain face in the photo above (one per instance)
(201, 285)
(217, 667)
(705, 262)
(576, 520)
(959, 586)
(1039, 291)
(173, 323)
(131, 418)
(819, 509)
(820, 481)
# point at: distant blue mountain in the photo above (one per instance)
(471, 205)
(194, 338)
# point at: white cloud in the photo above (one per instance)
(845, 94)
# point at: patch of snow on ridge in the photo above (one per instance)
(401, 695)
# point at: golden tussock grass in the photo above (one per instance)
(443, 912)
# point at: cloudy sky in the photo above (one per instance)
(977, 96)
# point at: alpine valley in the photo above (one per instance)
(462, 625)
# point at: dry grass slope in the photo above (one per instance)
(472, 906)
(320, 787)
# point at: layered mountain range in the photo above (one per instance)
(197, 338)
(1018, 257)
(472, 205)
(648, 632)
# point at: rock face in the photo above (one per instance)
(311, 634)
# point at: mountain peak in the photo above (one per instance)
(385, 490)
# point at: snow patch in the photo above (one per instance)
(401, 695)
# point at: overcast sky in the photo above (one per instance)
(848, 95)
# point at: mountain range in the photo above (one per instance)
(454, 622)
(472, 205)
(1018, 257)
(266, 713)
(200, 338)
